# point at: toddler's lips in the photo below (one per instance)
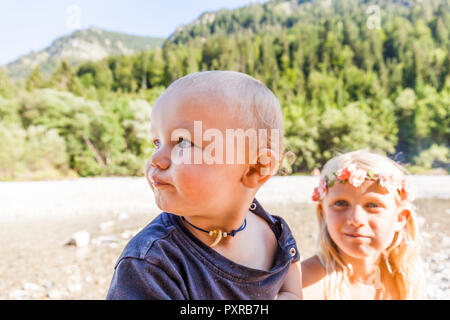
(158, 182)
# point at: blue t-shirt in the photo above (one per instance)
(166, 261)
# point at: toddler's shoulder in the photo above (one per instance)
(158, 230)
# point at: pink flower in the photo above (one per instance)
(382, 180)
(395, 183)
(322, 188)
(357, 178)
(387, 182)
(351, 173)
(343, 174)
(406, 191)
(320, 191)
(316, 195)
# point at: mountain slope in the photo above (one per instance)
(287, 14)
(252, 18)
(82, 45)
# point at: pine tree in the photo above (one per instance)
(35, 80)
(6, 89)
(62, 78)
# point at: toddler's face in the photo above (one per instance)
(190, 188)
(361, 221)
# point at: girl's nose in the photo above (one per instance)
(357, 216)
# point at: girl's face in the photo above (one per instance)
(190, 189)
(362, 221)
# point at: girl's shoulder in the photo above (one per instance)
(313, 276)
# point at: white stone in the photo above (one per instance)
(18, 294)
(30, 286)
(122, 217)
(80, 239)
(55, 294)
(106, 225)
(104, 239)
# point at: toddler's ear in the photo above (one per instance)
(259, 172)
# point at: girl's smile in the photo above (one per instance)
(356, 235)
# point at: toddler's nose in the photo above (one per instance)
(158, 159)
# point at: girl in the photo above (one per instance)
(368, 238)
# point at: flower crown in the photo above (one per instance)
(356, 176)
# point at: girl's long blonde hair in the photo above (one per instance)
(401, 258)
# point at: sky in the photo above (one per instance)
(27, 25)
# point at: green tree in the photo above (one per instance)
(35, 79)
(342, 85)
(6, 89)
(63, 78)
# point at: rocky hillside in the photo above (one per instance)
(82, 45)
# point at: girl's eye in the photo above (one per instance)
(372, 205)
(184, 143)
(156, 144)
(341, 203)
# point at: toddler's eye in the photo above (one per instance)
(156, 143)
(184, 143)
(341, 203)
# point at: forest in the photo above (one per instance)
(348, 74)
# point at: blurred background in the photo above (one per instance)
(78, 80)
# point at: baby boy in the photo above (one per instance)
(218, 137)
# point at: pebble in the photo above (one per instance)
(55, 294)
(438, 275)
(446, 241)
(106, 225)
(18, 294)
(79, 239)
(29, 290)
(30, 286)
(104, 239)
(122, 217)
